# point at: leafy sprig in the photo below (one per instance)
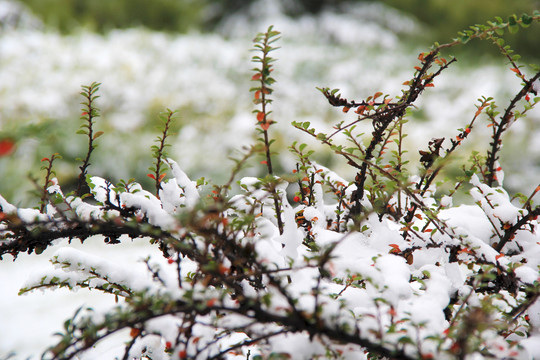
(89, 114)
(263, 44)
(49, 172)
(159, 151)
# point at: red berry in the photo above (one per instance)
(296, 198)
(170, 260)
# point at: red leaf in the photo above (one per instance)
(265, 125)
(395, 247)
(516, 70)
(256, 77)
(430, 85)
(499, 256)
(45, 159)
(134, 332)
(346, 109)
(151, 176)
(360, 109)
(161, 176)
(223, 269)
(260, 116)
(6, 147)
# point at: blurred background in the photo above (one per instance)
(194, 56)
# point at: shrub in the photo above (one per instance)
(306, 264)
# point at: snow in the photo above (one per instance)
(150, 206)
(190, 187)
(368, 286)
(43, 312)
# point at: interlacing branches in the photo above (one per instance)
(346, 270)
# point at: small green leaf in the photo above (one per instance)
(513, 29)
(526, 20)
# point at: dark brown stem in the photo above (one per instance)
(502, 126)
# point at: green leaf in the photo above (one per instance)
(81, 131)
(513, 29)
(526, 20)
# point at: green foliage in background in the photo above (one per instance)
(445, 18)
(442, 18)
(101, 16)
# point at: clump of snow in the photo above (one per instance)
(189, 187)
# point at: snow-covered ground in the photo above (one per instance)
(206, 77)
